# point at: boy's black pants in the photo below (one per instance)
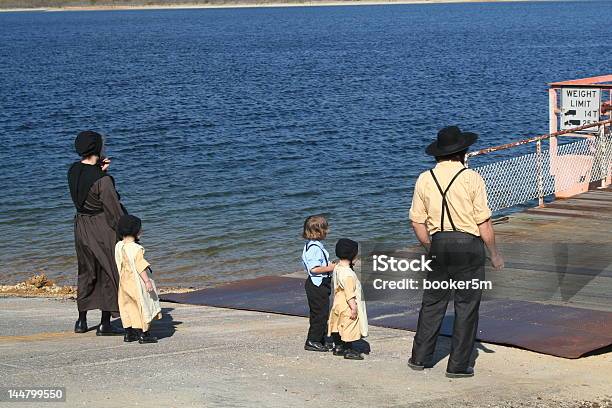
(318, 302)
(460, 257)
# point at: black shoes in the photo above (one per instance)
(130, 335)
(416, 365)
(339, 350)
(138, 335)
(315, 346)
(145, 337)
(351, 354)
(107, 329)
(80, 326)
(468, 372)
(420, 366)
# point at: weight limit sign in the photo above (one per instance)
(579, 106)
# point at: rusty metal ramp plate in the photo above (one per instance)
(549, 329)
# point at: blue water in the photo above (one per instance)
(228, 127)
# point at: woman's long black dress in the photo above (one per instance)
(95, 237)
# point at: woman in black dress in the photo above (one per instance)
(98, 211)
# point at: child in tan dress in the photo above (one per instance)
(348, 320)
(138, 301)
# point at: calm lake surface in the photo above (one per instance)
(228, 127)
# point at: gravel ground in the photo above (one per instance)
(224, 358)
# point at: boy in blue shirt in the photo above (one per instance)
(318, 283)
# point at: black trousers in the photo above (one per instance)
(460, 257)
(318, 302)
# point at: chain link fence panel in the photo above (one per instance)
(528, 177)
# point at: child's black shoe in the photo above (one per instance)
(145, 337)
(314, 346)
(339, 350)
(351, 354)
(130, 335)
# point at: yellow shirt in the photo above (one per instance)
(467, 199)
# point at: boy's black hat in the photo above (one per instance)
(129, 225)
(347, 249)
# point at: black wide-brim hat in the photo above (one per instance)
(451, 140)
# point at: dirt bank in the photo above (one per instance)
(41, 286)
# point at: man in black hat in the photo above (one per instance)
(98, 212)
(451, 218)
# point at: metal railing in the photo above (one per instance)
(566, 170)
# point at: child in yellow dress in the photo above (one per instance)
(348, 320)
(138, 301)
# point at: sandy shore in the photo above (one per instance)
(219, 358)
(239, 4)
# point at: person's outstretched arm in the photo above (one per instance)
(143, 266)
(323, 269)
(418, 215)
(315, 259)
(482, 216)
(488, 236)
(420, 230)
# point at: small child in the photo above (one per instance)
(138, 301)
(348, 321)
(318, 283)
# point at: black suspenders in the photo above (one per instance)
(324, 256)
(322, 251)
(444, 202)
